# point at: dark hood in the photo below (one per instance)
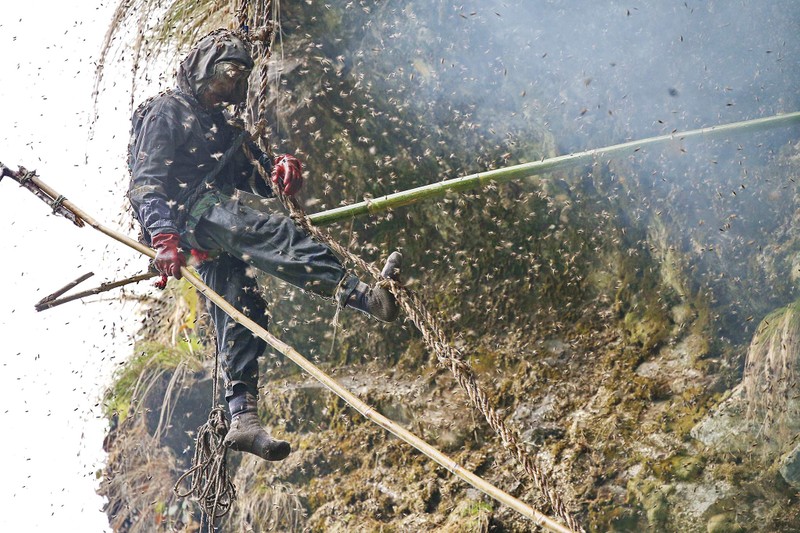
(198, 67)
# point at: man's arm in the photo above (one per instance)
(285, 171)
(153, 154)
(248, 178)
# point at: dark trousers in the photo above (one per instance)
(242, 237)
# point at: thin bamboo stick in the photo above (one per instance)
(366, 410)
(525, 170)
(51, 300)
(52, 297)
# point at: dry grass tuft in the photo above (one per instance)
(265, 506)
(770, 375)
(159, 32)
(138, 476)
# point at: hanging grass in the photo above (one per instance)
(771, 370)
(141, 405)
(265, 506)
(159, 32)
(186, 20)
(137, 470)
(174, 337)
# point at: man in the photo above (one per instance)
(187, 165)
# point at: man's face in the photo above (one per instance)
(229, 84)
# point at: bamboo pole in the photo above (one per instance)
(22, 176)
(473, 181)
(366, 410)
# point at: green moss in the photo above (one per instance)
(414, 356)
(686, 411)
(607, 515)
(657, 509)
(642, 300)
(646, 328)
(474, 508)
(680, 468)
(723, 523)
(150, 358)
(469, 516)
(698, 346)
(484, 361)
(731, 471)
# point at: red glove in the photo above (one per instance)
(287, 174)
(168, 259)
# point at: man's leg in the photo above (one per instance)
(273, 243)
(239, 350)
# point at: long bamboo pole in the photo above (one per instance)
(366, 410)
(473, 181)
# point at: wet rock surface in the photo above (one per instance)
(790, 467)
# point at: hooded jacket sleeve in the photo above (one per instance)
(152, 187)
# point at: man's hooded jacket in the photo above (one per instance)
(176, 142)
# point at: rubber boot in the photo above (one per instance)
(378, 301)
(246, 433)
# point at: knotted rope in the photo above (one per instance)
(210, 482)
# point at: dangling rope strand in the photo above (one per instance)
(241, 15)
(210, 482)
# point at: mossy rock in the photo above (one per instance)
(469, 516)
(680, 468)
(647, 329)
(608, 515)
(657, 509)
(150, 359)
(790, 467)
(723, 523)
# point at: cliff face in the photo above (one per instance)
(618, 313)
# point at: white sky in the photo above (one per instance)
(55, 365)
